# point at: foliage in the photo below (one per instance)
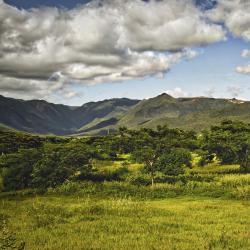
(173, 162)
(60, 163)
(230, 142)
(17, 167)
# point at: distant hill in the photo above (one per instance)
(37, 116)
(196, 113)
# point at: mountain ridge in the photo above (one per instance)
(42, 117)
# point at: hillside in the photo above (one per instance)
(38, 116)
(187, 113)
(196, 113)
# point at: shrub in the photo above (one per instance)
(172, 163)
(17, 168)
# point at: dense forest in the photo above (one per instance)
(164, 155)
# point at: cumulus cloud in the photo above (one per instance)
(235, 14)
(243, 69)
(177, 92)
(97, 42)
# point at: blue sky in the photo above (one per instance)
(213, 69)
(212, 72)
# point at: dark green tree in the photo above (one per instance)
(17, 167)
(230, 141)
(173, 163)
(60, 163)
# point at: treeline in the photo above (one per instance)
(29, 161)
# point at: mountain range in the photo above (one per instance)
(41, 117)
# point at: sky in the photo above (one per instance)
(77, 51)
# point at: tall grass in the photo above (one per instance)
(70, 222)
(235, 180)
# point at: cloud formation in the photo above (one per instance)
(245, 53)
(98, 42)
(243, 69)
(177, 92)
(235, 14)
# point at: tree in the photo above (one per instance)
(230, 141)
(152, 145)
(149, 157)
(60, 163)
(17, 167)
(173, 162)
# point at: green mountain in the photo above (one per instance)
(196, 113)
(187, 113)
(38, 116)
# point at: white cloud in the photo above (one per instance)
(177, 92)
(245, 53)
(243, 69)
(94, 43)
(235, 14)
(165, 25)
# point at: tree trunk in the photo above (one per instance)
(245, 163)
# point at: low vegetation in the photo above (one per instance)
(142, 189)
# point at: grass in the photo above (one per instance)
(71, 222)
(207, 208)
(214, 169)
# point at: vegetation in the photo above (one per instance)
(144, 189)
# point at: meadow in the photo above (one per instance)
(199, 214)
(59, 222)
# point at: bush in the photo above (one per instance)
(60, 163)
(172, 163)
(17, 168)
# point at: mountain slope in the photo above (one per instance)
(41, 117)
(188, 113)
(100, 117)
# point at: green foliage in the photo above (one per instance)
(60, 163)
(173, 163)
(11, 141)
(230, 142)
(17, 167)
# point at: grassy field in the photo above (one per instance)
(208, 208)
(71, 222)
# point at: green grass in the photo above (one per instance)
(207, 208)
(71, 222)
(215, 169)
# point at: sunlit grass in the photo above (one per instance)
(214, 168)
(67, 222)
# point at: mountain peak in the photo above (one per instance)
(166, 95)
